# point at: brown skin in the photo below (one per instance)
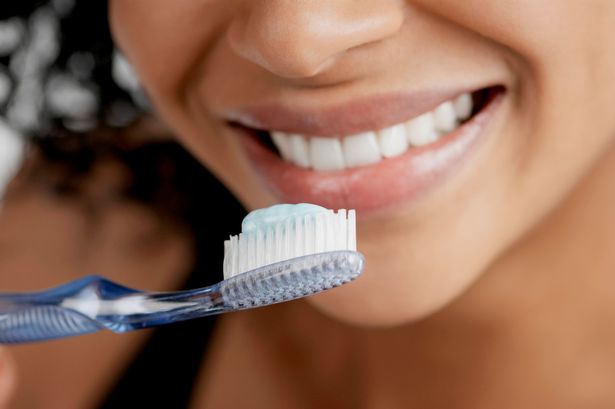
(507, 266)
(7, 377)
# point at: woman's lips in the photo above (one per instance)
(376, 112)
(374, 187)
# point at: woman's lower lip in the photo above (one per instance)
(367, 189)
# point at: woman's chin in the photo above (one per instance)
(380, 302)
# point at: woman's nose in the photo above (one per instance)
(301, 38)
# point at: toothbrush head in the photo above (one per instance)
(283, 232)
(291, 279)
(289, 251)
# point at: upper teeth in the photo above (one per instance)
(326, 154)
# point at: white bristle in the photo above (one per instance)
(342, 231)
(293, 237)
(269, 255)
(260, 247)
(352, 230)
(309, 225)
(242, 256)
(228, 263)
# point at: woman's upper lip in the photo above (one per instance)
(360, 115)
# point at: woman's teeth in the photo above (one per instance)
(328, 154)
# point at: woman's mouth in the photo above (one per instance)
(365, 169)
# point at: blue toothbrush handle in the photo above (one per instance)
(43, 322)
(26, 317)
(93, 303)
(37, 316)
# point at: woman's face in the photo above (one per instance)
(367, 101)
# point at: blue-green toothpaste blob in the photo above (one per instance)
(262, 219)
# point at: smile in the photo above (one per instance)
(328, 154)
(369, 169)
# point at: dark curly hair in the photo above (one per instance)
(63, 70)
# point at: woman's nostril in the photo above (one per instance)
(300, 40)
(286, 50)
(281, 55)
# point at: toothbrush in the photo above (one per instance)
(274, 259)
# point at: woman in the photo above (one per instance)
(489, 272)
(488, 279)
